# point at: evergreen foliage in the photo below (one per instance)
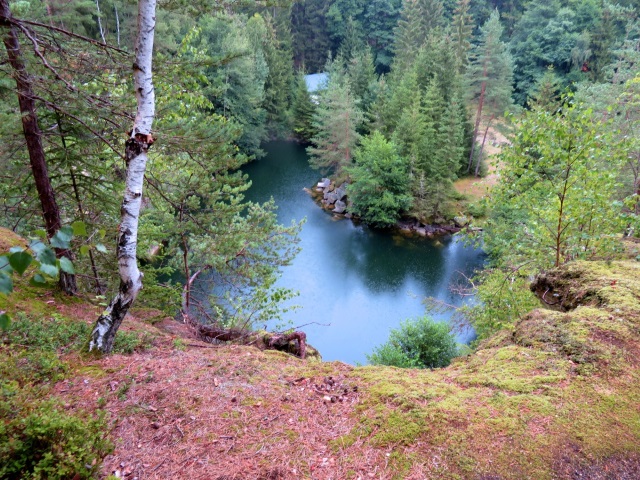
(336, 121)
(303, 111)
(379, 192)
(490, 81)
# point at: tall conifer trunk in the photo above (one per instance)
(33, 138)
(137, 145)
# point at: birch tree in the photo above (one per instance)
(136, 148)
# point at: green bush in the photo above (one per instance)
(46, 443)
(419, 343)
(477, 210)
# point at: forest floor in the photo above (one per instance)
(476, 188)
(558, 396)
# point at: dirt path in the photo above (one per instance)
(477, 188)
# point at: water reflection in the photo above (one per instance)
(363, 282)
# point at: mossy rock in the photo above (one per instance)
(608, 284)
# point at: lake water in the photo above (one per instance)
(355, 283)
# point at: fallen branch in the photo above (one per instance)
(294, 343)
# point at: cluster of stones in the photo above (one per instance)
(334, 198)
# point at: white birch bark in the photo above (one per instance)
(137, 145)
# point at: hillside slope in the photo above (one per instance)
(557, 397)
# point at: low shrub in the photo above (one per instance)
(419, 343)
(42, 441)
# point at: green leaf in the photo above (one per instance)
(48, 269)
(59, 240)
(84, 250)
(38, 280)
(102, 233)
(5, 266)
(41, 233)
(101, 248)
(46, 256)
(6, 284)
(66, 266)
(5, 321)
(79, 228)
(37, 247)
(66, 232)
(20, 261)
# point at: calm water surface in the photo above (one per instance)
(359, 281)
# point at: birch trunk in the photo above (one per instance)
(33, 139)
(136, 149)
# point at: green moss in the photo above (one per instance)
(396, 428)
(515, 369)
(400, 464)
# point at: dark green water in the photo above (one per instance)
(362, 282)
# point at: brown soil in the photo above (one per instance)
(477, 188)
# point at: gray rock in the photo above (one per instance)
(324, 183)
(461, 221)
(332, 197)
(339, 207)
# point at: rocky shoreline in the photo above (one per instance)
(334, 198)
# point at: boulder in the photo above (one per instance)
(341, 191)
(324, 183)
(332, 197)
(461, 221)
(340, 207)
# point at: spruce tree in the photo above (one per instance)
(336, 121)
(303, 111)
(462, 32)
(490, 80)
(280, 79)
(379, 190)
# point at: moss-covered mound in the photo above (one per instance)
(559, 397)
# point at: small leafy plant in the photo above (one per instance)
(41, 254)
(419, 343)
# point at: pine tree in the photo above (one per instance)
(408, 35)
(311, 40)
(490, 79)
(380, 18)
(400, 96)
(280, 80)
(418, 20)
(462, 31)
(303, 111)
(362, 76)
(379, 188)
(546, 95)
(336, 120)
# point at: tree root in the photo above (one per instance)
(294, 343)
